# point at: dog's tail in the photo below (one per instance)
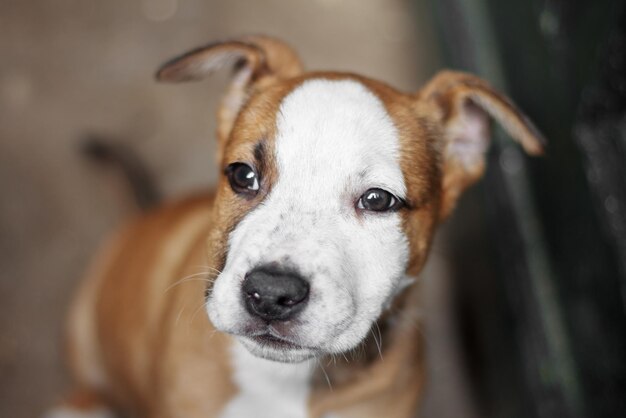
(121, 157)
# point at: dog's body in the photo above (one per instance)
(305, 255)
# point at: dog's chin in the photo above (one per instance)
(274, 350)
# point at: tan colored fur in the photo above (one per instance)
(139, 337)
(155, 343)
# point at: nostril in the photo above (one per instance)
(273, 294)
(289, 301)
(254, 295)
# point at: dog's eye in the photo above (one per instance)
(378, 200)
(242, 178)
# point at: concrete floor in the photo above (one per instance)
(71, 67)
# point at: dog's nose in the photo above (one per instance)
(272, 294)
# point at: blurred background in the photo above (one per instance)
(525, 292)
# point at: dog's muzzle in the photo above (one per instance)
(273, 294)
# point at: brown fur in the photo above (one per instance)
(139, 336)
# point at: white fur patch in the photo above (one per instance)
(65, 412)
(335, 140)
(268, 389)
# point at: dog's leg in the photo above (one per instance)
(81, 404)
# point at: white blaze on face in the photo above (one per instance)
(335, 140)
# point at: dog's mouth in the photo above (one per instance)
(268, 345)
(271, 341)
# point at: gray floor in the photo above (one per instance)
(70, 67)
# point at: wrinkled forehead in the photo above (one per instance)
(337, 134)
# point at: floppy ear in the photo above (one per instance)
(464, 105)
(255, 60)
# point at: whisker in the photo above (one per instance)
(211, 334)
(379, 340)
(190, 278)
(193, 316)
(330, 386)
(360, 351)
(178, 316)
(207, 267)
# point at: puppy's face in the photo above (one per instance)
(315, 183)
(332, 186)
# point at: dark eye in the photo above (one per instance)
(242, 178)
(378, 200)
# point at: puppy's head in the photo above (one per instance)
(332, 187)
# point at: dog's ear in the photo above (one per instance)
(464, 105)
(255, 60)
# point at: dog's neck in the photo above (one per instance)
(393, 344)
(319, 386)
(341, 369)
(287, 385)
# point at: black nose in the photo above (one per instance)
(273, 294)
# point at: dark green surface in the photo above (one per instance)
(541, 302)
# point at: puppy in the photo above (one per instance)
(305, 304)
